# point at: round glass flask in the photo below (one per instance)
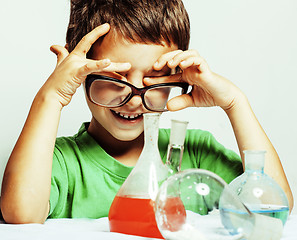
(259, 192)
(132, 210)
(211, 210)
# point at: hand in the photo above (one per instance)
(72, 68)
(208, 88)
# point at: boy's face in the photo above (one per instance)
(125, 123)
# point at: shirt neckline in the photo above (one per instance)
(97, 154)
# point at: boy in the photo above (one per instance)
(143, 43)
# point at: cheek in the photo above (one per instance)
(96, 110)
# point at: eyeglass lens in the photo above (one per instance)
(112, 94)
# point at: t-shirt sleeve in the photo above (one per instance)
(59, 185)
(207, 153)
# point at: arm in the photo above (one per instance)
(210, 89)
(27, 178)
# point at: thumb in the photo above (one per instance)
(60, 51)
(180, 102)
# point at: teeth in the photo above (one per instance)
(128, 116)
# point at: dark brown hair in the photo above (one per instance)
(140, 21)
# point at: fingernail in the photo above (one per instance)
(170, 62)
(106, 61)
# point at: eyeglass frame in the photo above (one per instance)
(135, 90)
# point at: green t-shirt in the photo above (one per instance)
(85, 179)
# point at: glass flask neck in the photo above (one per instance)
(176, 145)
(174, 158)
(144, 180)
(254, 160)
(151, 129)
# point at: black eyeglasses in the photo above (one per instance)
(110, 92)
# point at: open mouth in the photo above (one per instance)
(126, 116)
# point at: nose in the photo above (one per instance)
(134, 102)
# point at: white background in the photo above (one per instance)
(253, 43)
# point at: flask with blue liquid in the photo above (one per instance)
(259, 192)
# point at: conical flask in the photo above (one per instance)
(259, 192)
(132, 210)
(176, 145)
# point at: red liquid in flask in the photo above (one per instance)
(136, 216)
(174, 214)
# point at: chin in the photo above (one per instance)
(125, 136)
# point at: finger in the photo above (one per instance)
(92, 66)
(118, 67)
(60, 51)
(164, 79)
(87, 41)
(180, 102)
(162, 61)
(188, 62)
(97, 67)
(177, 59)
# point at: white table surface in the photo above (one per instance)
(56, 229)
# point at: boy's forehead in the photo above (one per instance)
(118, 48)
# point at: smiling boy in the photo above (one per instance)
(142, 43)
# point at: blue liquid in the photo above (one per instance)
(280, 212)
(236, 221)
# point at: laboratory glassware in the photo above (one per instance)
(176, 145)
(132, 210)
(259, 192)
(208, 209)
